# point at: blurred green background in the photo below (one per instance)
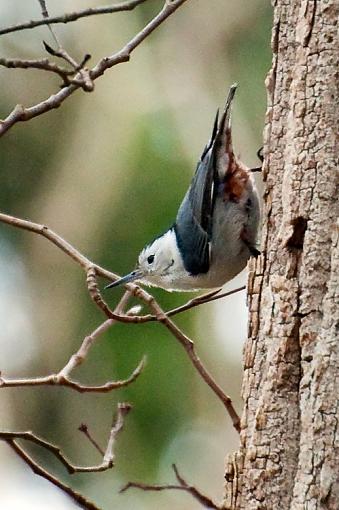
(107, 172)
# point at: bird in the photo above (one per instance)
(216, 227)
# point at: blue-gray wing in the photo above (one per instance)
(194, 219)
(193, 225)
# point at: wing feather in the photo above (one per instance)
(194, 220)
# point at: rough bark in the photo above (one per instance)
(289, 453)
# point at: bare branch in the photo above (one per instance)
(55, 450)
(192, 303)
(162, 317)
(45, 15)
(22, 114)
(205, 298)
(123, 410)
(43, 64)
(38, 470)
(95, 295)
(62, 378)
(92, 270)
(59, 380)
(108, 457)
(204, 500)
(84, 429)
(85, 81)
(134, 318)
(73, 16)
(107, 461)
(80, 356)
(189, 347)
(184, 340)
(49, 234)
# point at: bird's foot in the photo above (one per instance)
(261, 157)
(254, 252)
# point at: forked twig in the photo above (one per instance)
(59, 380)
(85, 78)
(135, 318)
(11, 438)
(163, 318)
(73, 79)
(85, 81)
(182, 485)
(108, 456)
(192, 303)
(92, 270)
(62, 378)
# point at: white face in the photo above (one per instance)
(158, 261)
(160, 265)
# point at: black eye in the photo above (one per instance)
(150, 259)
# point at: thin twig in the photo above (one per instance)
(57, 380)
(84, 429)
(205, 298)
(79, 357)
(163, 318)
(55, 450)
(92, 270)
(43, 64)
(22, 114)
(189, 347)
(118, 424)
(85, 81)
(83, 78)
(45, 15)
(38, 470)
(184, 340)
(137, 319)
(73, 16)
(204, 500)
(108, 457)
(192, 303)
(62, 378)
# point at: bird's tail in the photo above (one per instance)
(222, 144)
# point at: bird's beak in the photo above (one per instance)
(130, 277)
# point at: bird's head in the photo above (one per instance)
(157, 263)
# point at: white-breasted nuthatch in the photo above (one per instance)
(216, 227)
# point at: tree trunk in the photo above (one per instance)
(289, 453)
